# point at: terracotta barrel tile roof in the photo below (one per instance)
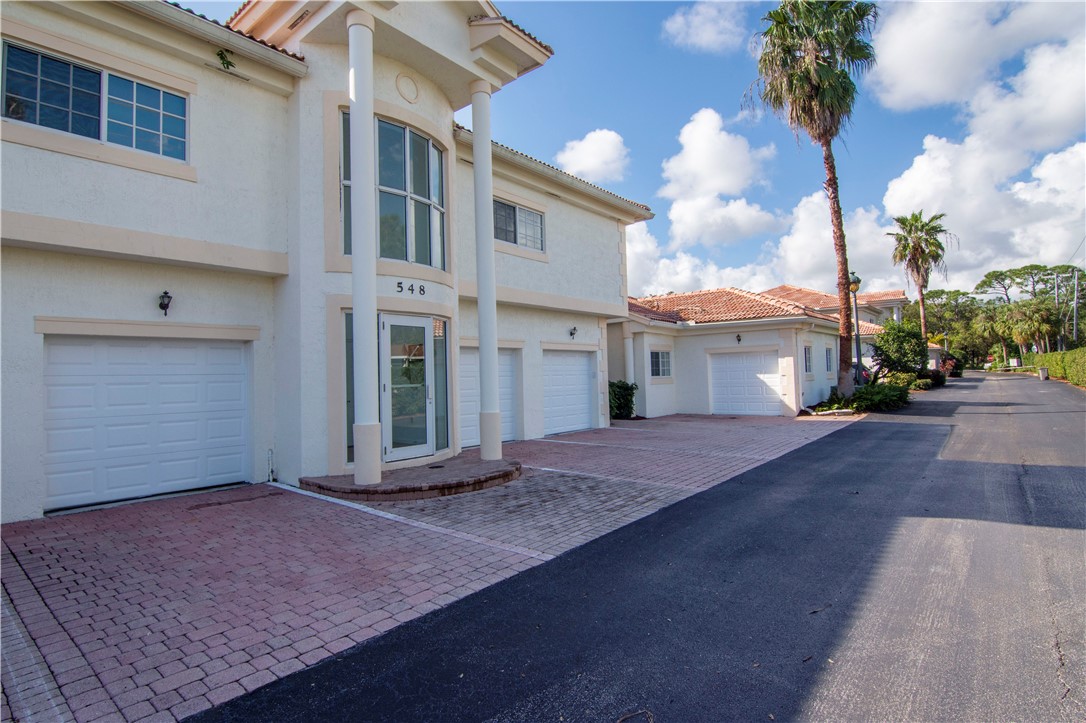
(823, 300)
(801, 295)
(866, 297)
(718, 305)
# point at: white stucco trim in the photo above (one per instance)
(473, 342)
(71, 326)
(566, 346)
(540, 300)
(58, 234)
(93, 149)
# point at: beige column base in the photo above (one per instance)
(490, 435)
(367, 454)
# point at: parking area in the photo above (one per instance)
(160, 609)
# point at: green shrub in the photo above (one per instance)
(879, 398)
(1069, 365)
(870, 398)
(899, 379)
(621, 396)
(936, 377)
(921, 385)
(899, 348)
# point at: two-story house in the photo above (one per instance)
(231, 253)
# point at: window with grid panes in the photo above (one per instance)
(517, 225)
(54, 93)
(410, 194)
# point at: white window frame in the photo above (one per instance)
(829, 359)
(438, 211)
(523, 219)
(104, 76)
(659, 363)
(808, 360)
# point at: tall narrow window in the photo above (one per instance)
(808, 363)
(660, 363)
(829, 359)
(410, 195)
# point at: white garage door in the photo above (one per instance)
(469, 395)
(568, 390)
(129, 418)
(746, 383)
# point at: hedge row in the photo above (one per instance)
(1069, 365)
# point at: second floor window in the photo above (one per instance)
(516, 225)
(410, 195)
(58, 94)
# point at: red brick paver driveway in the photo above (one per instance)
(157, 610)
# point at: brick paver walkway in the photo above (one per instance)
(157, 610)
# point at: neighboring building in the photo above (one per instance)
(148, 149)
(724, 351)
(875, 307)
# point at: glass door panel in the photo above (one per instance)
(407, 386)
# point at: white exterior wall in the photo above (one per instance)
(690, 363)
(531, 332)
(234, 131)
(583, 250)
(655, 397)
(38, 283)
(815, 386)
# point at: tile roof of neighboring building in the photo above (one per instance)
(650, 313)
(867, 297)
(730, 304)
(801, 295)
(822, 300)
(869, 329)
(233, 30)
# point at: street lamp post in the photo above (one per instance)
(854, 287)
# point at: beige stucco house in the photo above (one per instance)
(265, 250)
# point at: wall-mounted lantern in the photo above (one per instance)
(738, 338)
(164, 300)
(573, 332)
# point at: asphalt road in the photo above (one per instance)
(924, 565)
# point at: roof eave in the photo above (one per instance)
(218, 35)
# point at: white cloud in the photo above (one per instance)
(713, 27)
(1041, 108)
(709, 220)
(938, 53)
(712, 160)
(598, 157)
(713, 163)
(804, 256)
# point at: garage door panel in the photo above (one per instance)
(144, 418)
(568, 385)
(745, 383)
(470, 393)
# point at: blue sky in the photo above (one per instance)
(975, 110)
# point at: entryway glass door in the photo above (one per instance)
(407, 386)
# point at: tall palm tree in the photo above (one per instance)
(918, 244)
(810, 50)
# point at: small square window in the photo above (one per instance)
(517, 225)
(660, 363)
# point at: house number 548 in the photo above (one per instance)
(410, 289)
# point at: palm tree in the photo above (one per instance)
(810, 50)
(918, 245)
(988, 326)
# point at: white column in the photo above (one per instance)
(490, 416)
(367, 421)
(628, 351)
